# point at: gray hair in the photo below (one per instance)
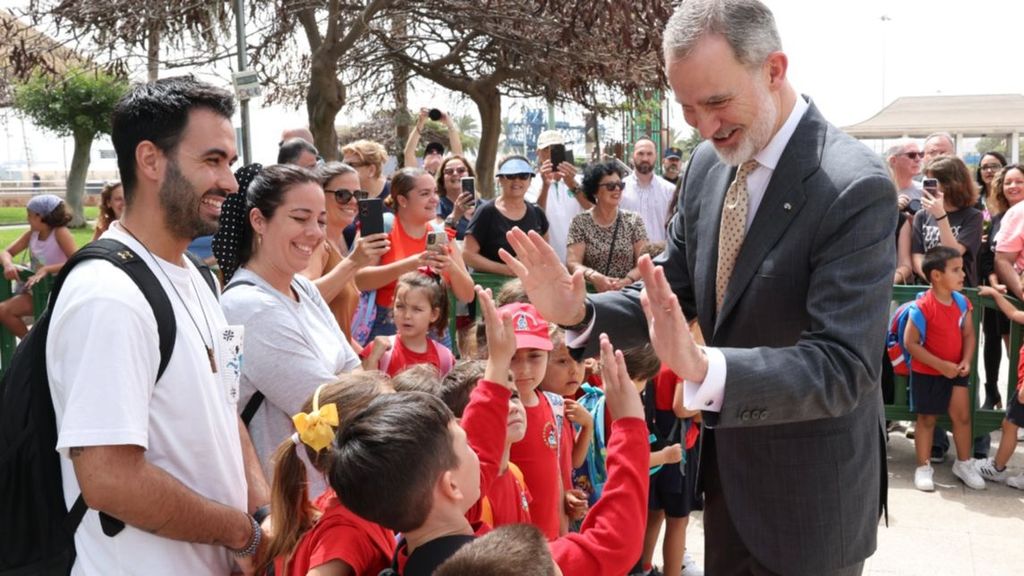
(946, 135)
(898, 148)
(332, 170)
(747, 25)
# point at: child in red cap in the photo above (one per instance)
(537, 454)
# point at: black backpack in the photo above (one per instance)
(36, 528)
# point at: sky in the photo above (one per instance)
(841, 53)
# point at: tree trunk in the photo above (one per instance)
(488, 103)
(153, 53)
(399, 73)
(324, 100)
(75, 184)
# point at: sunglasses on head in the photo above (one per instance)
(525, 176)
(914, 155)
(456, 170)
(612, 186)
(344, 195)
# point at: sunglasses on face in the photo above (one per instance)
(516, 176)
(344, 195)
(452, 171)
(612, 186)
(914, 155)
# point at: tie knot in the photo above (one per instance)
(746, 168)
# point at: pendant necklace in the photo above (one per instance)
(209, 347)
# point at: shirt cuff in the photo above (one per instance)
(710, 394)
(580, 339)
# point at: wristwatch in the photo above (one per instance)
(450, 222)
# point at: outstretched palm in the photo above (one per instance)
(556, 294)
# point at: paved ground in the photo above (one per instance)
(953, 530)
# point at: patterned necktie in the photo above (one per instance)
(732, 229)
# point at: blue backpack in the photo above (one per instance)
(910, 311)
(593, 474)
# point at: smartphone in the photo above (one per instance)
(557, 155)
(371, 216)
(469, 187)
(437, 241)
(570, 158)
(930, 184)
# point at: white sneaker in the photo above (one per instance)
(923, 478)
(987, 469)
(1016, 482)
(690, 567)
(965, 470)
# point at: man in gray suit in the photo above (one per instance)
(783, 251)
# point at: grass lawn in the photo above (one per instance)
(16, 214)
(8, 235)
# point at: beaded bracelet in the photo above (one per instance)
(254, 541)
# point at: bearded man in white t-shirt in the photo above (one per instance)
(169, 458)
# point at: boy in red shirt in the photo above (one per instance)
(538, 453)
(940, 363)
(416, 433)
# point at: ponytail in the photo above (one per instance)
(293, 513)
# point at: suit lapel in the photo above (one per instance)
(780, 205)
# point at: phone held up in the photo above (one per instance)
(931, 185)
(469, 187)
(437, 242)
(371, 216)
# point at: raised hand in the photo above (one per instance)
(366, 251)
(557, 296)
(669, 331)
(501, 339)
(621, 396)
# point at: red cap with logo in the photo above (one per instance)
(531, 330)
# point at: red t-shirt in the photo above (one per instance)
(537, 456)
(509, 500)
(402, 357)
(341, 535)
(943, 331)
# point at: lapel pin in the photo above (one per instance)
(787, 206)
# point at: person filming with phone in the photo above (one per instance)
(557, 192)
(414, 201)
(456, 186)
(948, 216)
(434, 151)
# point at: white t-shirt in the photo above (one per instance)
(102, 356)
(561, 207)
(290, 349)
(651, 203)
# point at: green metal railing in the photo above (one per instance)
(982, 421)
(40, 298)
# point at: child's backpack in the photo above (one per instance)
(909, 311)
(36, 528)
(593, 474)
(443, 353)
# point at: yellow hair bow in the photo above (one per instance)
(316, 429)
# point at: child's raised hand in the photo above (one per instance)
(381, 344)
(620, 394)
(501, 337)
(578, 414)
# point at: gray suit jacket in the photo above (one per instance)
(800, 437)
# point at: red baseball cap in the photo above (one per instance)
(530, 328)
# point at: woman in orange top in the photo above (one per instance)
(333, 267)
(414, 200)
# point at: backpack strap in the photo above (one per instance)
(558, 411)
(385, 359)
(204, 271)
(125, 259)
(444, 355)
